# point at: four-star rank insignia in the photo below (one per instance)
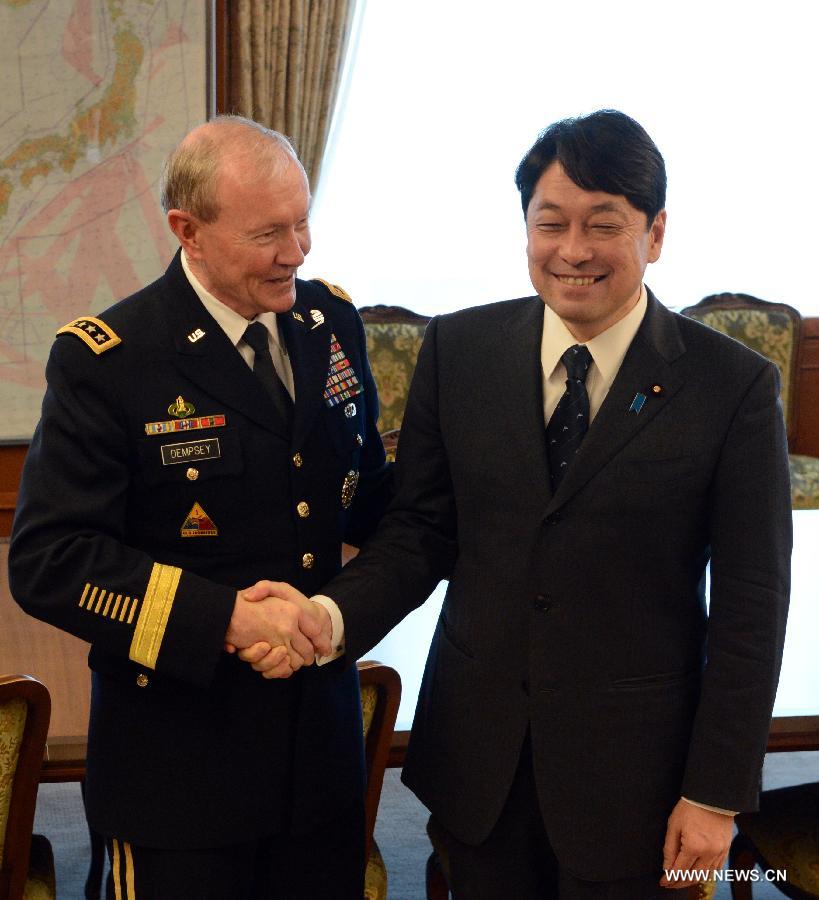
(198, 524)
(93, 332)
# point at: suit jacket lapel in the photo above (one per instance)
(211, 360)
(646, 364)
(308, 345)
(519, 381)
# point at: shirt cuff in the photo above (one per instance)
(337, 628)
(716, 809)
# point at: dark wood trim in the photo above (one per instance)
(398, 749)
(790, 733)
(806, 413)
(221, 56)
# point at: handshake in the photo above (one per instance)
(277, 629)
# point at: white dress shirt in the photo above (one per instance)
(234, 326)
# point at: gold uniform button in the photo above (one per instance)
(192, 474)
(142, 680)
(307, 561)
(303, 510)
(297, 461)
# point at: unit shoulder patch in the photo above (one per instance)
(335, 290)
(93, 332)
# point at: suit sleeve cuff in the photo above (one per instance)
(337, 625)
(716, 809)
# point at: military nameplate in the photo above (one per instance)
(198, 451)
(198, 524)
(185, 424)
(94, 332)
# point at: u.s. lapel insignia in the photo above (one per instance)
(181, 409)
(198, 524)
(298, 317)
(342, 382)
(348, 488)
(317, 316)
(194, 336)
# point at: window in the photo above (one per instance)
(417, 204)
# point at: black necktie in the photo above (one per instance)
(570, 420)
(256, 335)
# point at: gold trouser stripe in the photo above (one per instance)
(129, 872)
(115, 873)
(153, 616)
(85, 593)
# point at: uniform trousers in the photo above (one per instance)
(325, 864)
(517, 860)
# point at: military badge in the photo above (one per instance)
(298, 317)
(342, 381)
(348, 488)
(317, 316)
(194, 336)
(181, 409)
(350, 410)
(198, 524)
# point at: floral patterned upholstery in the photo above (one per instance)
(773, 333)
(18, 741)
(12, 724)
(784, 834)
(774, 330)
(394, 337)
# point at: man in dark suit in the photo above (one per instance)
(571, 462)
(214, 429)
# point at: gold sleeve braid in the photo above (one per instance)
(153, 616)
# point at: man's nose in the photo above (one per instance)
(292, 249)
(576, 248)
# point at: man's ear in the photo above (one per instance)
(186, 228)
(656, 234)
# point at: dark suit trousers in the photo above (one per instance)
(517, 860)
(327, 864)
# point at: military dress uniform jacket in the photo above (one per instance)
(159, 481)
(580, 615)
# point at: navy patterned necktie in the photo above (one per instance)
(570, 420)
(256, 336)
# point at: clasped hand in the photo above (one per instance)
(277, 629)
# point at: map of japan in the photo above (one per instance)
(95, 94)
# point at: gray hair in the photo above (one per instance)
(189, 177)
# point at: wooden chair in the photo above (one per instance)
(394, 337)
(26, 860)
(783, 835)
(380, 696)
(774, 330)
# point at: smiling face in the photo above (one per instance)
(587, 252)
(249, 255)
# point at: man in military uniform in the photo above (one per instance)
(212, 430)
